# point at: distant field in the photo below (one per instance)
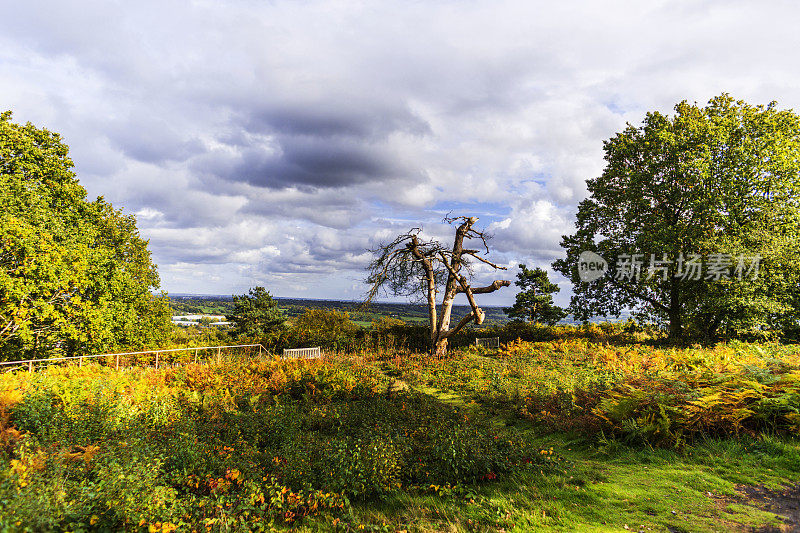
(223, 305)
(186, 304)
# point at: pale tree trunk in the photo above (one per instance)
(439, 346)
(457, 283)
(430, 287)
(427, 259)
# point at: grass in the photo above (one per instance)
(210, 437)
(604, 482)
(606, 486)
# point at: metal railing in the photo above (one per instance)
(310, 353)
(79, 358)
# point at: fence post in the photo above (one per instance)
(195, 355)
(117, 361)
(156, 360)
(219, 354)
(30, 366)
(80, 361)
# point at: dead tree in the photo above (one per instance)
(412, 266)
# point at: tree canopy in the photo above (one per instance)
(256, 315)
(534, 302)
(327, 328)
(697, 216)
(75, 276)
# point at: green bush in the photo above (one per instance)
(359, 467)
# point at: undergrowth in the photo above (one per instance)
(251, 448)
(639, 393)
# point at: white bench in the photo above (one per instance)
(488, 342)
(302, 353)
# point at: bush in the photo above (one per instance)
(356, 466)
(327, 328)
(272, 441)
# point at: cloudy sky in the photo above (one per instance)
(272, 142)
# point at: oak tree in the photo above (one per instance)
(75, 276)
(719, 185)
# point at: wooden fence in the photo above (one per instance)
(215, 353)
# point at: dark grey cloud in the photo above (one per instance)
(308, 161)
(336, 209)
(268, 142)
(332, 118)
(329, 145)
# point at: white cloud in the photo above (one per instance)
(273, 142)
(533, 229)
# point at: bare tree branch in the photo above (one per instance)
(466, 319)
(409, 265)
(496, 285)
(482, 260)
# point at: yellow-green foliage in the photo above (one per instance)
(328, 328)
(639, 392)
(226, 447)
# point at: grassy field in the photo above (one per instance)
(572, 434)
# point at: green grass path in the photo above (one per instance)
(612, 487)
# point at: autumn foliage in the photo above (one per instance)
(254, 446)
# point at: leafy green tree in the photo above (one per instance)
(256, 315)
(206, 321)
(328, 328)
(75, 276)
(717, 181)
(386, 323)
(534, 302)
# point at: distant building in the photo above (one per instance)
(194, 320)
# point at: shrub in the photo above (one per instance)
(224, 447)
(327, 328)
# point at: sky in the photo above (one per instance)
(275, 143)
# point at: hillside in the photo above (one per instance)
(591, 431)
(185, 304)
